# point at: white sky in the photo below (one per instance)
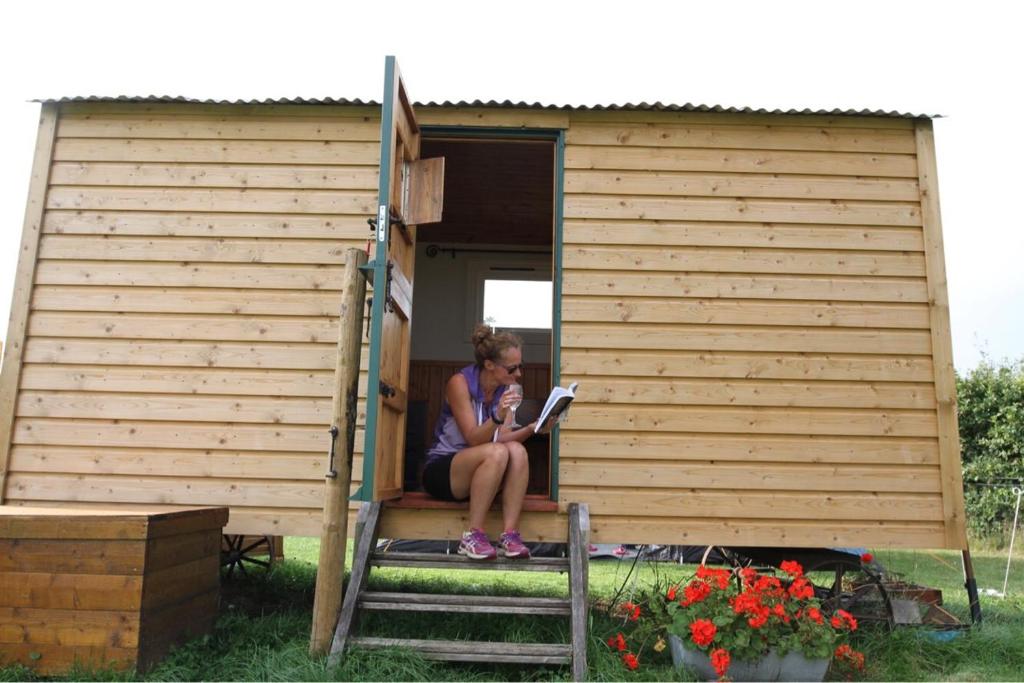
(961, 60)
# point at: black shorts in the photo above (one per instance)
(437, 478)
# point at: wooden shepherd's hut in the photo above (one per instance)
(754, 304)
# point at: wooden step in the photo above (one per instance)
(455, 561)
(424, 501)
(470, 604)
(476, 651)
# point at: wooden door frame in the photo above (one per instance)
(556, 136)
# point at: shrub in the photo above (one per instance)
(991, 416)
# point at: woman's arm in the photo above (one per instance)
(521, 434)
(457, 394)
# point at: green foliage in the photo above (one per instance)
(991, 416)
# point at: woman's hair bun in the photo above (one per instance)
(489, 345)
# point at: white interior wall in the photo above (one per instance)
(446, 303)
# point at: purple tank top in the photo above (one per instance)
(447, 437)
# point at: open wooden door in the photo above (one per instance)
(410, 193)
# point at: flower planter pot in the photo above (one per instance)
(793, 667)
(796, 667)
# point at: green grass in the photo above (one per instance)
(262, 632)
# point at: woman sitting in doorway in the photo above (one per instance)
(475, 454)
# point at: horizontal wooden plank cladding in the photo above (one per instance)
(95, 405)
(69, 627)
(693, 184)
(754, 392)
(185, 327)
(169, 462)
(165, 490)
(744, 338)
(767, 531)
(184, 300)
(741, 312)
(149, 434)
(669, 135)
(747, 449)
(727, 234)
(151, 274)
(157, 379)
(822, 421)
(181, 353)
(244, 520)
(220, 199)
(749, 210)
(223, 151)
(70, 591)
(740, 161)
(661, 474)
(72, 556)
(220, 250)
(215, 175)
(742, 260)
(633, 117)
(200, 224)
(733, 286)
(757, 503)
(741, 364)
(179, 126)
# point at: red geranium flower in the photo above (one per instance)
(814, 614)
(695, 591)
(759, 619)
(748, 574)
(720, 660)
(792, 568)
(801, 589)
(719, 576)
(671, 594)
(867, 558)
(618, 642)
(702, 632)
(636, 613)
(844, 619)
(845, 653)
(630, 660)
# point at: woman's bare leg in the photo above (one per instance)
(477, 472)
(517, 477)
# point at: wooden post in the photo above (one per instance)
(579, 570)
(17, 329)
(333, 538)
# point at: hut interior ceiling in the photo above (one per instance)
(489, 202)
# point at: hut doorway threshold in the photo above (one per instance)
(358, 598)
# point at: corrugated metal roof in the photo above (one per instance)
(506, 104)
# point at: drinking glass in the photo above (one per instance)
(515, 392)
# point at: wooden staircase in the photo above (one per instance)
(575, 607)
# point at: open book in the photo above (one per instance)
(558, 402)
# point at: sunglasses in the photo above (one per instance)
(512, 369)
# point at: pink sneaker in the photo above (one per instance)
(475, 546)
(512, 545)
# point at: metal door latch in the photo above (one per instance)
(331, 472)
(386, 390)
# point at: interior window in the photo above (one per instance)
(517, 304)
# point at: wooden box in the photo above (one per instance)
(106, 588)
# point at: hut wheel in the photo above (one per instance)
(238, 550)
(851, 586)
